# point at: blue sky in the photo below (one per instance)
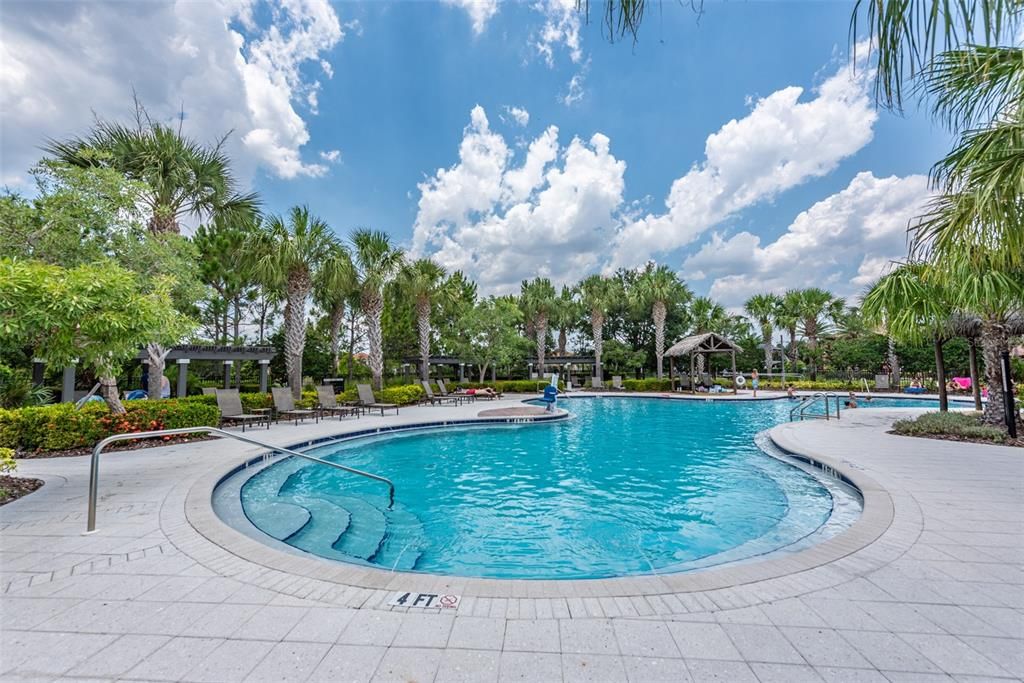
(804, 195)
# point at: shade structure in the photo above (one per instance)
(706, 342)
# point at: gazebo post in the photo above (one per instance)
(672, 373)
(693, 385)
(734, 372)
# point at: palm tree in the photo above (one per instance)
(289, 260)
(377, 263)
(707, 315)
(425, 282)
(180, 177)
(996, 297)
(658, 288)
(763, 308)
(333, 291)
(913, 305)
(817, 309)
(538, 302)
(566, 315)
(597, 295)
(788, 317)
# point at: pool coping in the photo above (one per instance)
(303, 575)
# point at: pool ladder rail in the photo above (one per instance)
(799, 411)
(94, 472)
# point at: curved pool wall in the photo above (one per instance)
(344, 520)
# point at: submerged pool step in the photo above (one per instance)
(366, 528)
(327, 522)
(277, 519)
(403, 542)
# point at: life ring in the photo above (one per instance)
(741, 380)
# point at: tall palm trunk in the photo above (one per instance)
(659, 313)
(423, 323)
(811, 331)
(792, 342)
(541, 335)
(994, 340)
(162, 224)
(337, 319)
(352, 321)
(766, 335)
(373, 307)
(940, 374)
(597, 330)
(563, 339)
(108, 390)
(295, 330)
(156, 354)
(894, 361)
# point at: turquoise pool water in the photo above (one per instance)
(627, 486)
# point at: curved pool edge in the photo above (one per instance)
(374, 585)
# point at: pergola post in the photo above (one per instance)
(264, 371)
(227, 374)
(183, 377)
(38, 371)
(671, 373)
(734, 372)
(67, 393)
(462, 372)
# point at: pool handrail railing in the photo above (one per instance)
(94, 475)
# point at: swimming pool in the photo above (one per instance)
(626, 487)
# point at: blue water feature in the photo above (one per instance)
(626, 486)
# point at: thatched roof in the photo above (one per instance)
(708, 342)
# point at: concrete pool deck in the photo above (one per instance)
(937, 594)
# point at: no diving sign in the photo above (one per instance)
(425, 600)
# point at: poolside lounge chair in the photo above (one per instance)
(284, 406)
(447, 394)
(487, 393)
(434, 400)
(616, 381)
(369, 402)
(209, 391)
(231, 412)
(329, 403)
(596, 383)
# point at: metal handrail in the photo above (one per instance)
(94, 474)
(807, 402)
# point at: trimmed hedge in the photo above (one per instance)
(965, 425)
(60, 427)
(403, 395)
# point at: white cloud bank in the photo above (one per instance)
(780, 144)
(254, 80)
(479, 11)
(843, 243)
(502, 222)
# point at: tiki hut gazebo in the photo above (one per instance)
(708, 342)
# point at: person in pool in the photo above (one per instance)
(754, 381)
(791, 392)
(851, 400)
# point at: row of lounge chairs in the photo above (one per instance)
(229, 402)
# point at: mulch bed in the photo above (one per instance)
(1017, 443)
(116, 446)
(13, 488)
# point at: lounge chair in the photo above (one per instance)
(230, 405)
(459, 395)
(616, 381)
(329, 403)
(486, 393)
(368, 401)
(596, 383)
(210, 391)
(284, 406)
(434, 400)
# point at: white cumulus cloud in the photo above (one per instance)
(518, 114)
(501, 222)
(780, 144)
(211, 59)
(479, 11)
(842, 242)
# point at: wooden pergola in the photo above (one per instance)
(708, 342)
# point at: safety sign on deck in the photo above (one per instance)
(425, 600)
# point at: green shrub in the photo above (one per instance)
(404, 395)
(647, 384)
(60, 427)
(967, 425)
(8, 464)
